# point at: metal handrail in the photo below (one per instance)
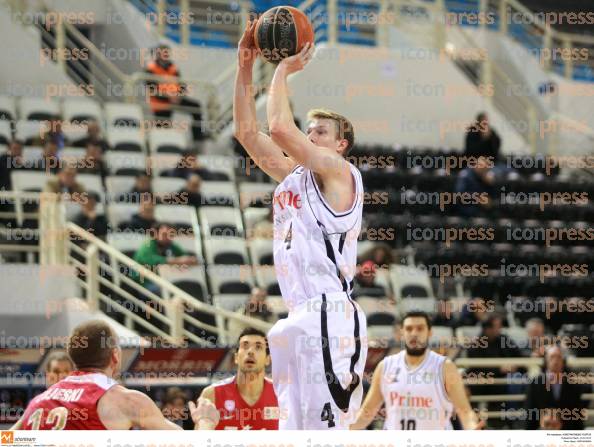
(176, 303)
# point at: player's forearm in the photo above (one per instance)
(244, 106)
(364, 418)
(278, 110)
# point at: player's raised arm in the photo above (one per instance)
(373, 401)
(283, 131)
(455, 389)
(265, 153)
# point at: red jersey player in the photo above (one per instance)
(90, 399)
(247, 400)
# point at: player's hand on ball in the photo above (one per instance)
(296, 63)
(205, 415)
(247, 51)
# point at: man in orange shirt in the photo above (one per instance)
(167, 95)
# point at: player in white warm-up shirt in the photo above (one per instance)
(415, 397)
(318, 353)
(419, 388)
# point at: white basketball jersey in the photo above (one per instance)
(415, 398)
(315, 248)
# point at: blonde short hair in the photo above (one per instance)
(344, 127)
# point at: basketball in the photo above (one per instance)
(282, 32)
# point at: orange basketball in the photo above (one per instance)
(282, 31)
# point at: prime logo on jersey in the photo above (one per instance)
(286, 199)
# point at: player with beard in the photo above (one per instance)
(419, 387)
(247, 400)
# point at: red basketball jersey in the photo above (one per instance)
(70, 404)
(236, 414)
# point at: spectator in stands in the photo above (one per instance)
(482, 140)
(93, 162)
(53, 132)
(478, 182)
(264, 228)
(65, 183)
(9, 162)
(556, 388)
(380, 254)
(191, 190)
(167, 95)
(88, 218)
(364, 283)
(550, 420)
(93, 136)
(255, 307)
(474, 312)
(49, 161)
(141, 190)
(175, 409)
(160, 250)
(492, 343)
(535, 329)
(397, 343)
(444, 315)
(144, 220)
(189, 165)
(58, 366)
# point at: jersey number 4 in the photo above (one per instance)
(327, 415)
(289, 236)
(56, 417)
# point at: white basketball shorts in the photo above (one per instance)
(318, 358)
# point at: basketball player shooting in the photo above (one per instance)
(91, 399)
(318, 353)
(419, 387)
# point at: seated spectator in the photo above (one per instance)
(364, 283)
(474, 312)
(189, 165)
(59, 366)
(49, 161)
(264, 228)
(380, 254)
(482, 140)
(444, 315)
(9, 162)
(160, 250)
(88, 219)
(141, 190)
(478, 182)
(54, 133)
(93, 162)
(255, 307)
(192, 191)
(93, 136)
(492, 343)
(65, 183)
(144, 220)
(396, 344)
(555, 389)
(175, 410)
